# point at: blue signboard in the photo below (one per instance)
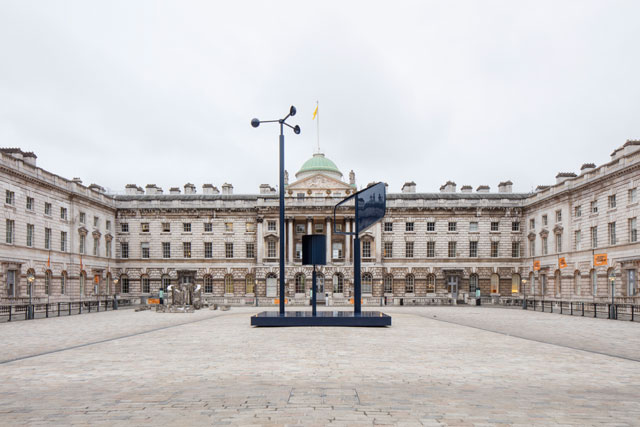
(371, 204)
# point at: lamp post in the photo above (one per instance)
(30, 279)
(524, 294)
(115, 293)
(612, 309)
(296, 129)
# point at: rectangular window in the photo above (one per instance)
(594, 237)
(96, 246)
(11, 197)
(124, 250)
(577, 211)
(186, 249)
(144, 227)
(30, 203)
(558, 243)
(63, 241)
(107, 247)
(633, 195)
(495, 226)
(594, 206)
(146, 287)
(228, 227)
(11, 283)
(10, 230)
(124, 227)
(473, 249)
(338, 227)
(532, 224)
(431, 249)
(251, 250)
(577, 236)
(63, 213)
(515, 226)
(208, 227)
(388, 226)
(271, 249)
(452, 249)
(337, 250)
(144, 247)
(532, 248)
(186, 227)
(473, 226)
(300, 229)
(208, 249)
(83, 240)
(545, 220)
(298, 253)
(515, 249)
(166, 227)
(228, 250)
(271, 226)
(545, 247)
(366, 249)
(108, 225)
(47, 238)
(612, 201)
(409, 249)
(431, 226)
(388, 250)
(453, 226)
(494, 249)
(558, 216)
(124, 283)
(82, 218)
(47, 208)
(408, 226)
(96, 221)
(29, 234)
(250, 227)
(612, 233)
(633, 230)
(166, 249)
(319, 228)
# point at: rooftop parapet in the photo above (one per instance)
(209, 189)
(483, 189)
(563, 176)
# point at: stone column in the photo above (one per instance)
(379, 242)
(259, 241)
(290, 240)
(347, 241)
(328, 243)
(309, 225)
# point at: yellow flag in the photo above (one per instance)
(315, 113)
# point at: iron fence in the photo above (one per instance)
(12, 312)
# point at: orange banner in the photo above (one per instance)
(536, 265)
(600, 259)
(153, 300)
(277, 301)
(351, 300)
(562, 263)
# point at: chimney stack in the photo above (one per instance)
(505, 187)
(409, 187)
(227, 189)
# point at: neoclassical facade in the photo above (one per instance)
(77, 240)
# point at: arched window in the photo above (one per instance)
(367, 283)
(208, 284)
(124, 284)
(431, 283)
(83, 279)
(166, 282)
(543, 284)
(495, 283)
(145, 285)
(320, 283)
(47, 282)
(63, 282)
(409, 284)
(299, 283)
(388, 284)
(557, 277)
(515, 283)
(473, 284)
(250, 284)
(594, 282)
(576, 282)
(228, 284)
(338, 283)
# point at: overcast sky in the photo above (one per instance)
(163, 92)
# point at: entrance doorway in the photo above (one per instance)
(272, 287)
(320, 299)
(452, 284)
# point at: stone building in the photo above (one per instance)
(77, 240)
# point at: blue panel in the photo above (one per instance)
(323, 318)
(372, 203)
(314, 249)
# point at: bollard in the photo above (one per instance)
(561, 312)
(89, 306)
(571, 305)
(631, 313)
(80, 307)
(26, 313)
(582, 309)
(551, 304)
(58, 309)
(595, 309)
(98, 305)
(46, 311)
(11, 309)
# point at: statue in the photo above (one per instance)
(182, 298)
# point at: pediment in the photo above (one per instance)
(318, 181)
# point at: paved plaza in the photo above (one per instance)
(434, 366)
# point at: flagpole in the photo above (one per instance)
(318, 124)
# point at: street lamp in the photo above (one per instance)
(524, 294)
(30, 279)
(115, 299)
(296, 129)
(612, 309)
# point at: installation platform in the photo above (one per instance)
(322, 318)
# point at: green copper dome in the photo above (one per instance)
(319, 163)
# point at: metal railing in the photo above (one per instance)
(602, 310)
(12, 312)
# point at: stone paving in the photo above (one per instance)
(434, 366)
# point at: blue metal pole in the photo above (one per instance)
(357, 309)
(313, 295)
(282, 250)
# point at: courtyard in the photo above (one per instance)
(434, 366)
